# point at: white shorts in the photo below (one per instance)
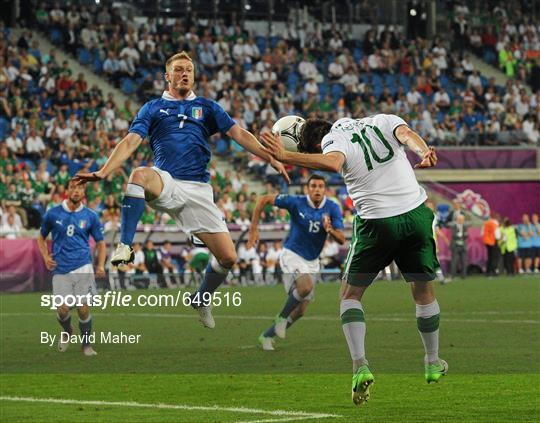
(78, 282)
(292, 266)
(190, 204)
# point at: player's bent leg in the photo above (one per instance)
(354, 329)
(299, 293)
(64, 318)
(427, 319)
(85, 327)
(144, 184)
(223, 259)
(266, 339)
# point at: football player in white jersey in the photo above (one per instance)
(392, 222)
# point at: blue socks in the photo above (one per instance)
(270, 332)
(133, 207)
(85, 326)
(65, 323)
(293, 300)
(214, 276)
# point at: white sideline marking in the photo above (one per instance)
(291, 415)
(286, 419)
(388, 317)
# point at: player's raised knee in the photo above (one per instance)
(139, 176)
(228, 260)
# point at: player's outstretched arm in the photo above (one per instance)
(42, 245)
(253, 235)
(332, 162)
(407, 136)
(102, 256)
(123, 150)
(247, 140)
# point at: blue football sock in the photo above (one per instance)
(65, 322)
(292, 302)
(271, 332)
(214, 276)
(132, 210)
(85, 326)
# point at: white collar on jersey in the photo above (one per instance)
(66, 207)
(167, 96)
(323, 202)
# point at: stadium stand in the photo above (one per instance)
(53, 124)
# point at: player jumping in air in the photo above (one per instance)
(71, 224)
(178, 126)
(392, 222)
(313, 217)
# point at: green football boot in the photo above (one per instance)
(435, 371)
(361, 382)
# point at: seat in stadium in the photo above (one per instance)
(261, 43)
(337, 91)
(323, 90)
(97, 65)
(127, 86)
(84, 56)
(357, 54)
(56, 36)
(4, 127)
(274, 40)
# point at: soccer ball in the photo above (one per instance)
(289, 128)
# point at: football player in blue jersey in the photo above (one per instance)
(71, 225)
(313, 218)
(178, 126)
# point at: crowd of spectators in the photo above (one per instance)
(310, 71)
(506, 37)
(53, 123)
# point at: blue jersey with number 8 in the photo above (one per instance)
(71, 231)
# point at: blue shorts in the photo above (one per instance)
(525, 253)
(536, 252)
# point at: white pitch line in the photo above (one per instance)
(291, 415)
(313, 318)
(286, 419)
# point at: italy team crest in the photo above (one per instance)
(82, 224)
(196, 113)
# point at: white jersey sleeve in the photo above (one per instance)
(378, 175)
(392, 122)
(335, 141)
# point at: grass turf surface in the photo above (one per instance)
(489, 335)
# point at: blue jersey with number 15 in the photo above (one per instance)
(307, 235)
(178, 132)
(70, 233)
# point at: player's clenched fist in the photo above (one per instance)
(429, 159)
(50, 263)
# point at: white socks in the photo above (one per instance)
(354, 328)
(427, 320)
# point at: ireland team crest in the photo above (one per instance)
(196, 112)
(82, 224)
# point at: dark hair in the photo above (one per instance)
(312, 134)
(316, 177)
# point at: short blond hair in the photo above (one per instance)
(182, 55)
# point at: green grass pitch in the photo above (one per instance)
(182, 372)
